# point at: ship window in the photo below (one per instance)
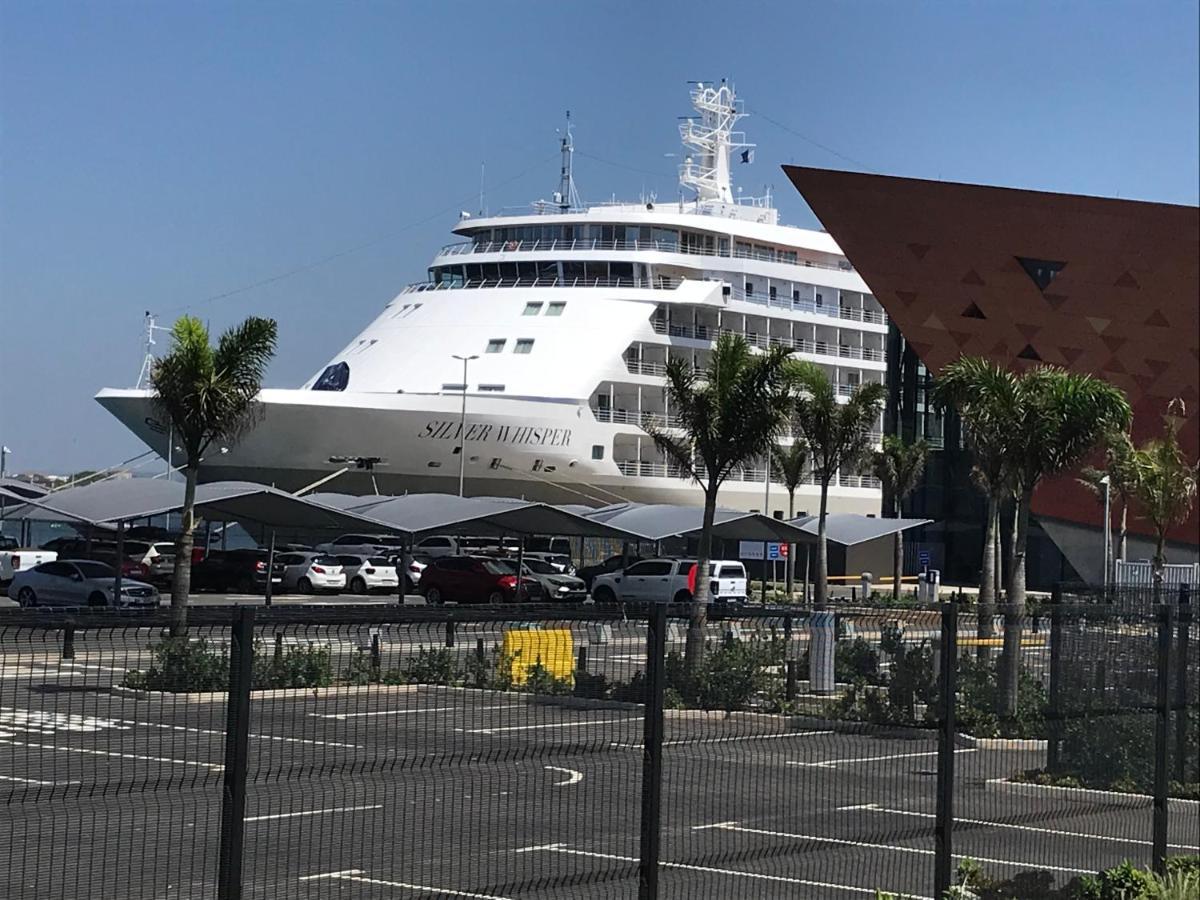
(334, 378)
(597, 451)
(532, 309)
(454, 387)
(749, 287)
(496, 345)
(820, 300)
(524, 345)
(556, 308)
(493, 388)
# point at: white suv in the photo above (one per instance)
(309, 572)
(666, 581)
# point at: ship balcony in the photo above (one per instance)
(658, 282)
(822, 348)
(644, 468)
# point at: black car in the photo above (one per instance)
(244, 571)
(589, 573)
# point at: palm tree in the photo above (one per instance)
(208, 395)
(789, 461)
(1048, 419)
(838, 436)
(1164, 484)
(899, 467)
(729, 412)
(1118, 470)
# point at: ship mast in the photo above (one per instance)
(712, 139)
(566, 196)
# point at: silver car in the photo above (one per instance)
(556, 585)
(79, 582)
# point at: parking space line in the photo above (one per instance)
(737, 738)
(574, 776)
(830, 763)
(504, 728)
(312, 812)
(36, 781)
(710, 870)
(408, 712)
(358, 876)
(90, 752)
(221, 733)
(959, 820)
(867, 845)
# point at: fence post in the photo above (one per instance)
(237, 741)
(1181, 681)
(449, 632)
(1162, 711)
(68, 648)
(1054, 709)
(581, 659)
(944, 824)
(652, 769)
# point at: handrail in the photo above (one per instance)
(648, 469)
(659, 282)
(460, 248)
(798, 345)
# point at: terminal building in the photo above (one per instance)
(1104, 286)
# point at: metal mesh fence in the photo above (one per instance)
(577, 752)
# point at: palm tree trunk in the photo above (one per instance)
(1123, 531)
(790, 568)
(1010, 562)
(694, 649)
(998, 540)
(821, 588)
(985, 625)
(181, 584)
(1014, 614)
(1160, 563)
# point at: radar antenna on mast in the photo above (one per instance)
(143, 379)
(566, 196)
(713, 139)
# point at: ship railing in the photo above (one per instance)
(642, 367)
(797, 345)
(658, 282)
(643, 419)
(787, 257)
(650, 469)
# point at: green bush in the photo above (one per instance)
(1123, 882)
(594, 687)
(297, 667)
(183, 665)
(540, 680)
(361, 670)
(853, 661)
(729, 677)
(429, 666)
(979, 698)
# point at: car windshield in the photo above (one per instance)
(540, 567)
(498, 567)
(731, 572)
(378, 561)
(388, 541)
(327, 561)
(95, 570)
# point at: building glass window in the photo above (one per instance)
(496, 345)
(532, 309)
(523, 345)
(556, 308)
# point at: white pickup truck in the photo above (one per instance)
(666, 580)
(21, 560)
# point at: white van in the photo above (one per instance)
(666, 581)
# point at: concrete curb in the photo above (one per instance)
(1087, 795)
(1031, 744)
(274, 694)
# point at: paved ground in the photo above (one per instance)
(422, 792)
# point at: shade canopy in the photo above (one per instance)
(848, 529)
(125, 500)
(659, 521)
(16, 489)
(423, 514)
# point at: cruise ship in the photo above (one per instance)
(529, 360)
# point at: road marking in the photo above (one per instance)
(41, 722)
(863, 806)
(875, 807)
(726, 740)
(830, 763)
(35, 781)
(573, 776)
(711, 870)
(843, 842)
(221, 732)
(358, 876)
(312, 812)
(163, 759)
(547, 725)
(406, 712)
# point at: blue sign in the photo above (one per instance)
(773, 551)
(923, 556)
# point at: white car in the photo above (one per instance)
(368, 573)
(440, 545)
(309, 572)
(666, 581)
(157, 559)
(22, 559)
(561, 562)
(364, 545)
(79, 582)
(413, 567)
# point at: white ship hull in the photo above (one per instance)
(521, 448)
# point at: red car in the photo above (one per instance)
(475, 579)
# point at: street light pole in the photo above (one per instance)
(1107, 482)
(462, 426)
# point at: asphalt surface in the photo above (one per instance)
(425, 791)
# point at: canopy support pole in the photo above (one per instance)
(520, 566)
(120, 563)
(267, 592)
(804, 594)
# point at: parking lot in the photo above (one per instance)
(426, 791)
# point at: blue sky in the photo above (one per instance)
(155, 155)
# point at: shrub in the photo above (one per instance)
(594, 687)
(429, 666)
(978, 700)
(729, 676)
(361, 670)
(540, 680)
(632, 691)
(298, 667)
(180, 664)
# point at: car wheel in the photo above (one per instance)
(495, 597)
(304, 586)
(433, 596)
(682, 597)
(604, 595)
(358, 585)
(97, 599)
(26, 597)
